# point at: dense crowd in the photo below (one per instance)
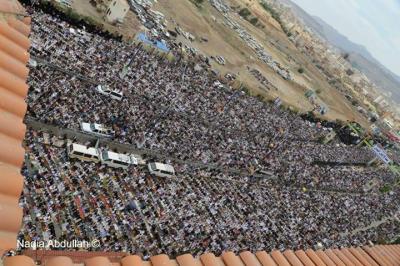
(197, 211)
(178, 108)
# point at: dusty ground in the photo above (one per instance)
(128, 29)
(208, 22)
(225, 42)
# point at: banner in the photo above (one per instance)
(381, 153)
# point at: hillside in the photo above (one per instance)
(359, 57)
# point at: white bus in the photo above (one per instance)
(83, 153)
(118, 160)
(97, 129)
(160, 169)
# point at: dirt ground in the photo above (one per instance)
(129, 28)
(207, 22)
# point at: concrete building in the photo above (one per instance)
(116, 10)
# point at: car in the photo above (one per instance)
(114, 94)
(97, 129)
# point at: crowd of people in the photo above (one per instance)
(178, 108)
(197, 211)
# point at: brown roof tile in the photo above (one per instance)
(367, 257)
(392, 254)
(161, 260)
(377, 256)
(279, 258)
(98, 261)
(14, 35)
(21, 26)
(395, 251)
(132, 260)
(343, 257)
(59, 261)
(265, 259)
(13, 105)
(13, 65)
(346, 252)
(292, 258)
(11, 180)
(187, 260)
(19, 53)
(382, 251)
(305, 259)
(336, 260)
(13, 89)
(14, 7)
(209, 259)
(64, 258)
(249, 259)
(18, 261)
(360, 257)
(230, 258)
(315, 258)
(325, 258)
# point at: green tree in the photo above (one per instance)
(244, 12)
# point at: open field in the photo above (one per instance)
(128, 29)
(207, 22)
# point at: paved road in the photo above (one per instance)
(162, 155)
(41, 61)
(144, 152)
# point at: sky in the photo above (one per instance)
(372, 23)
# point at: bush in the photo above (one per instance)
(244, 12)
(246, 90)
(197, 3)
(318, 91)
(253, 21)
(275, 15)
(260, 97)
(385, 189)
(300, 70)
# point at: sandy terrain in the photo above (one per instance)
(207, 22)
(128, 29)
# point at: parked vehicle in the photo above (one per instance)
(114, 94)
(160, 169)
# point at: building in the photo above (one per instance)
(116, 10)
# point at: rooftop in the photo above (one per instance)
(371, 256)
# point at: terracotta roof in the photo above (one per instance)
(385, 255)
(10, 8)
(14, 43)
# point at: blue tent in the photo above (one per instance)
(160, 45)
